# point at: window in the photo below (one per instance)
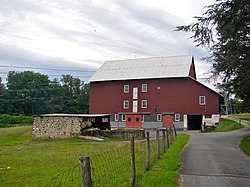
(123, 117)
(125, 104)
(116, 117)
(159, 117)
(126, 88)
(177, 117)
(105, 120)
(144, 103)
(135, 93)
(144, 87)
(202, 100)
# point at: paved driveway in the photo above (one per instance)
(215, 160)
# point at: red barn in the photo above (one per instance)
(153, 93)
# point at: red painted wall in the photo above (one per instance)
(180, 95)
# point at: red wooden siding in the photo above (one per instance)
(179, 95)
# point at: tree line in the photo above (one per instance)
(30, 93)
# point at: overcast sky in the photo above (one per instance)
(83, 34)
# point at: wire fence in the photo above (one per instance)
(115, 167)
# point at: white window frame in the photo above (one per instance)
(177, 117)
(123, 117)
(126, 88)
(159, 117)
(116, 117)
(126, 104)
(135, 106)
(144, 88)
(144, 103)
(135, 93)
(202, 100)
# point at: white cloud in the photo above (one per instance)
(85, 33)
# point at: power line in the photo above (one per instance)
(50, 69)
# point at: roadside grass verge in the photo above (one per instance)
(226, 125)
(245, 145)
(244, 116)
(27, 162)
(165, 171)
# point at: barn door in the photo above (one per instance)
(133, 120)
(167, 121)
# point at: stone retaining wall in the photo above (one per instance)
(115, 134)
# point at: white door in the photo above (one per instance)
(135, 106)
(135, 93)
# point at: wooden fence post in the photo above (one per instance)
(147, 151)
(175, 131)
(171, 135)
(164, 140)
(157, 144)
(86, 173)
(167, 137)
(132, 157)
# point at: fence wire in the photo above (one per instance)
(113, 167)
(68, 178)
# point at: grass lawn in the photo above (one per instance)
(27, 162)
(164, 172)
(245, 145)
(227, 125)
(244, 116)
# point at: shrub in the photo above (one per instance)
(7, 120)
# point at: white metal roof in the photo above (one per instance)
(144, 68)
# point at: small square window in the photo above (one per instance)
(144, 103)
(125, 104)
(144, 88)
(116, 117)
(177, 117)
(126, 88)
(123, 117)
(159, 117)
(202, 100)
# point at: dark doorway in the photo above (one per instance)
(194, 122)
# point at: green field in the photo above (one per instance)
(227, 125)
(244, 116)
(27, 162)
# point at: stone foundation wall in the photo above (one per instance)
(116, 134)
(45, 127)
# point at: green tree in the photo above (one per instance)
(224, 30)
(2, 97)
(1, 84)
(27, 93)
(72, 96)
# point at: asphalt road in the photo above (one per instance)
(215, 160)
